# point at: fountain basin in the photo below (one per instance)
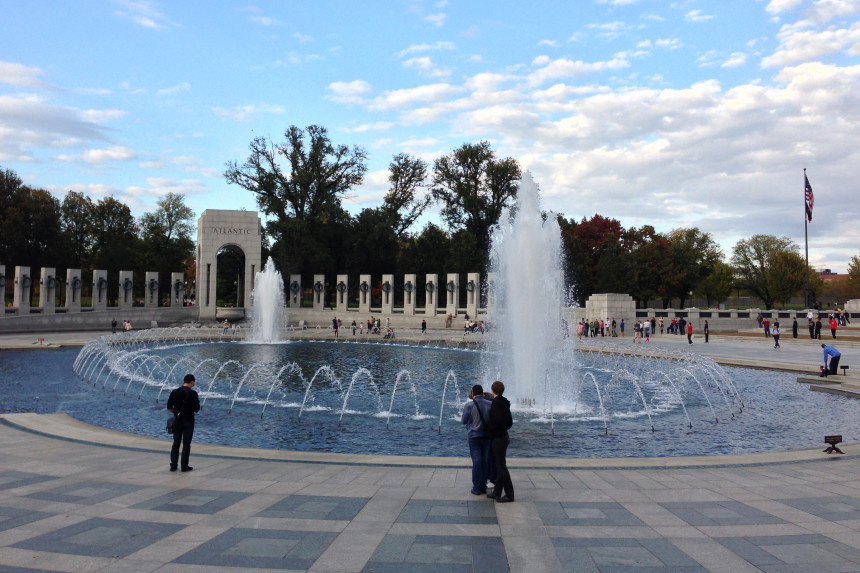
(255, 401)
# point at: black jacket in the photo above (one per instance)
(184, 402)
(500, 418)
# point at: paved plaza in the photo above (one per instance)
(74, 497)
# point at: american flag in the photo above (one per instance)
(809, 199)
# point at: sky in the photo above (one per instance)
(674, 114)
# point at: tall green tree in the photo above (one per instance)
(167, 238)
(854, 273)
(758, 262)
(718, 285)
(408, 176)
(303, 199)
(694, 255)
(115, 239)
(614, 268)
(78, 229)
(474, 187)
(30, 223)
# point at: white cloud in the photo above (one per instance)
(247, 112)
(780, 6)
(437, 20)
(302, 38)
(265, 21)
(425, 66)
(101, 156)
(101, 115)
(564, 68)
(736, 60)
(551, 43)
(142, 13)
(349, 92)
(178, 88)
(418, 48)
(800, 45)
(404, 98)
(697, 16)
(20, 75)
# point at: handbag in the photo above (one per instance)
(171, 423)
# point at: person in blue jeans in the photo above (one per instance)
(475, 415)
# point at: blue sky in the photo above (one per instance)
(674, 114)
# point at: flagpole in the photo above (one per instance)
(806, 241)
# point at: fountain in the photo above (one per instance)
(376, 396)
(269, 314)
(525, 301)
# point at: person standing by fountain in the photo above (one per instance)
(689, 331)
(183, 402)
(500, 422)
(706, 330)
(474, 415)
(334, 326)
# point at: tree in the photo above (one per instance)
(77, 229)
(694, 254)
(167, 238)
(474, 187)
(649, 271)
(115, 238)
(854, 273)
(307, 221)
(30, 223)
(788, 275)
(320, 173)
(757, 262)
(718, 285)
(584, 243)
(407, 177)
(613, 269)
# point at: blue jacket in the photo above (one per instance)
(472, 420)
(830, 351)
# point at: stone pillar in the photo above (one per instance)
(387, 294)
(491, 289)
(150, 290)
(452, 294)
(23, 288)
(48, 290)
(126, 289)
(473, 294)
(341, 289)
(612, 305)
(431, 287)
(74, 284)
(409, 292)
(177, 289)
(294, 290)
(100, 284)
(364, 296)
(2, 291)
(319, 292)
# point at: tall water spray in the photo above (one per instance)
(269, 314)
(525, 298)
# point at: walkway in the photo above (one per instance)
(74, 497)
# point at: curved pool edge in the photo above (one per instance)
(65, 427)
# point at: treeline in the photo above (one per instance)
(39, 230)
(301, 183)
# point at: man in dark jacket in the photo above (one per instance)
(500, 421)
(183, 402)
